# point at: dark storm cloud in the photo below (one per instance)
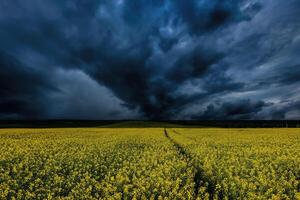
(23, 89)
(141, 56)
(240, 109)
(192, 65)
(201, 16)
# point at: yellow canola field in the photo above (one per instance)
(149, 163)
(91, 164)
(245, 163)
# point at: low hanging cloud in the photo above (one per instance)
(81, 97)
(136, 59)
(239, 109)
(23, 91)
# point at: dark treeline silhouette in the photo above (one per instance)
(145, 124)
(243, 123)
(54, 123)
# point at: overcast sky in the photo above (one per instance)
(149, 59)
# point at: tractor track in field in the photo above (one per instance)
(179, 148)
(198, 177)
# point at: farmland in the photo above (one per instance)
(149, 163)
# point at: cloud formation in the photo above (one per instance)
(118, 59)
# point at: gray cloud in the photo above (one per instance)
(137, 58)
(23, 89)
(240, 109)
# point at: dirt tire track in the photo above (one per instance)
(198, 177)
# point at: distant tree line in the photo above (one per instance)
(244, 123)
(150, 123)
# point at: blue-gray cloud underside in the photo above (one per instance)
(127, 59)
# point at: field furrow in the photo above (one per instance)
(198, 177)
(246, 163)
